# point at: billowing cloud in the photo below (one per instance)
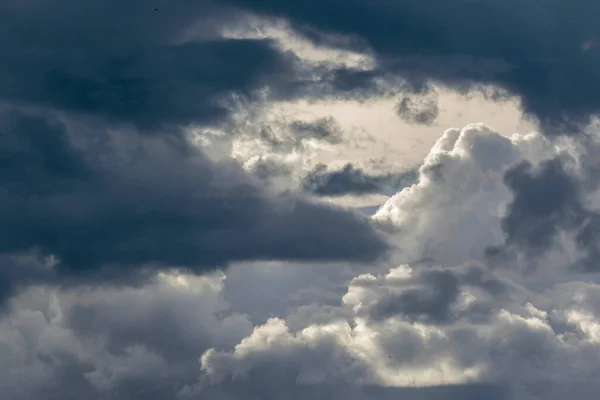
(138, 262)
(443, 323)
(512, 349)
(445, 319)
(460, 189)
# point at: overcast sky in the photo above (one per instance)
(269, 200)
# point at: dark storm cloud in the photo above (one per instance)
(351, 180)
(536, 50)
(128, 63)
(111, 209)
(548, 200)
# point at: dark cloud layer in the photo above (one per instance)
(130, 64)
(81, 86)
(532, 49)
(351, 180)
(101, 62)
(135, 202)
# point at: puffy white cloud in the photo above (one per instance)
(516, 343)
(455, 209)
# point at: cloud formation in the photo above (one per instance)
(444, 322)
(354, 181)
(445, 319)
(150, 73)
(136, 265)
(420, 109)
(531, 50)
(115, 207)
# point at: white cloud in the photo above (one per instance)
(519, 345)
(454, 212)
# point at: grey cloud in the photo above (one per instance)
(289, 136)
(548, 200)
(531, 50)
(429, 301)
(266, 169)
(355, 181)
(420, 109)
(115, 210)
(141, 343)
(130, 64)
(323, 129)
(431, 296)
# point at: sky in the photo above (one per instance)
(267, 200)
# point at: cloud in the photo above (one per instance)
(421, 109)
(444, 319)
(135, 343)
(115, 207)
(135, 265)
(511, 349)
(532, 51)
(460, 188)
(353, 180)
(151, 73)
(322, 129)
(444, 323)
(547, 203)
(99, 181)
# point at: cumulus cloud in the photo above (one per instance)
(446, 324)
(134, 343)
(516, 345)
